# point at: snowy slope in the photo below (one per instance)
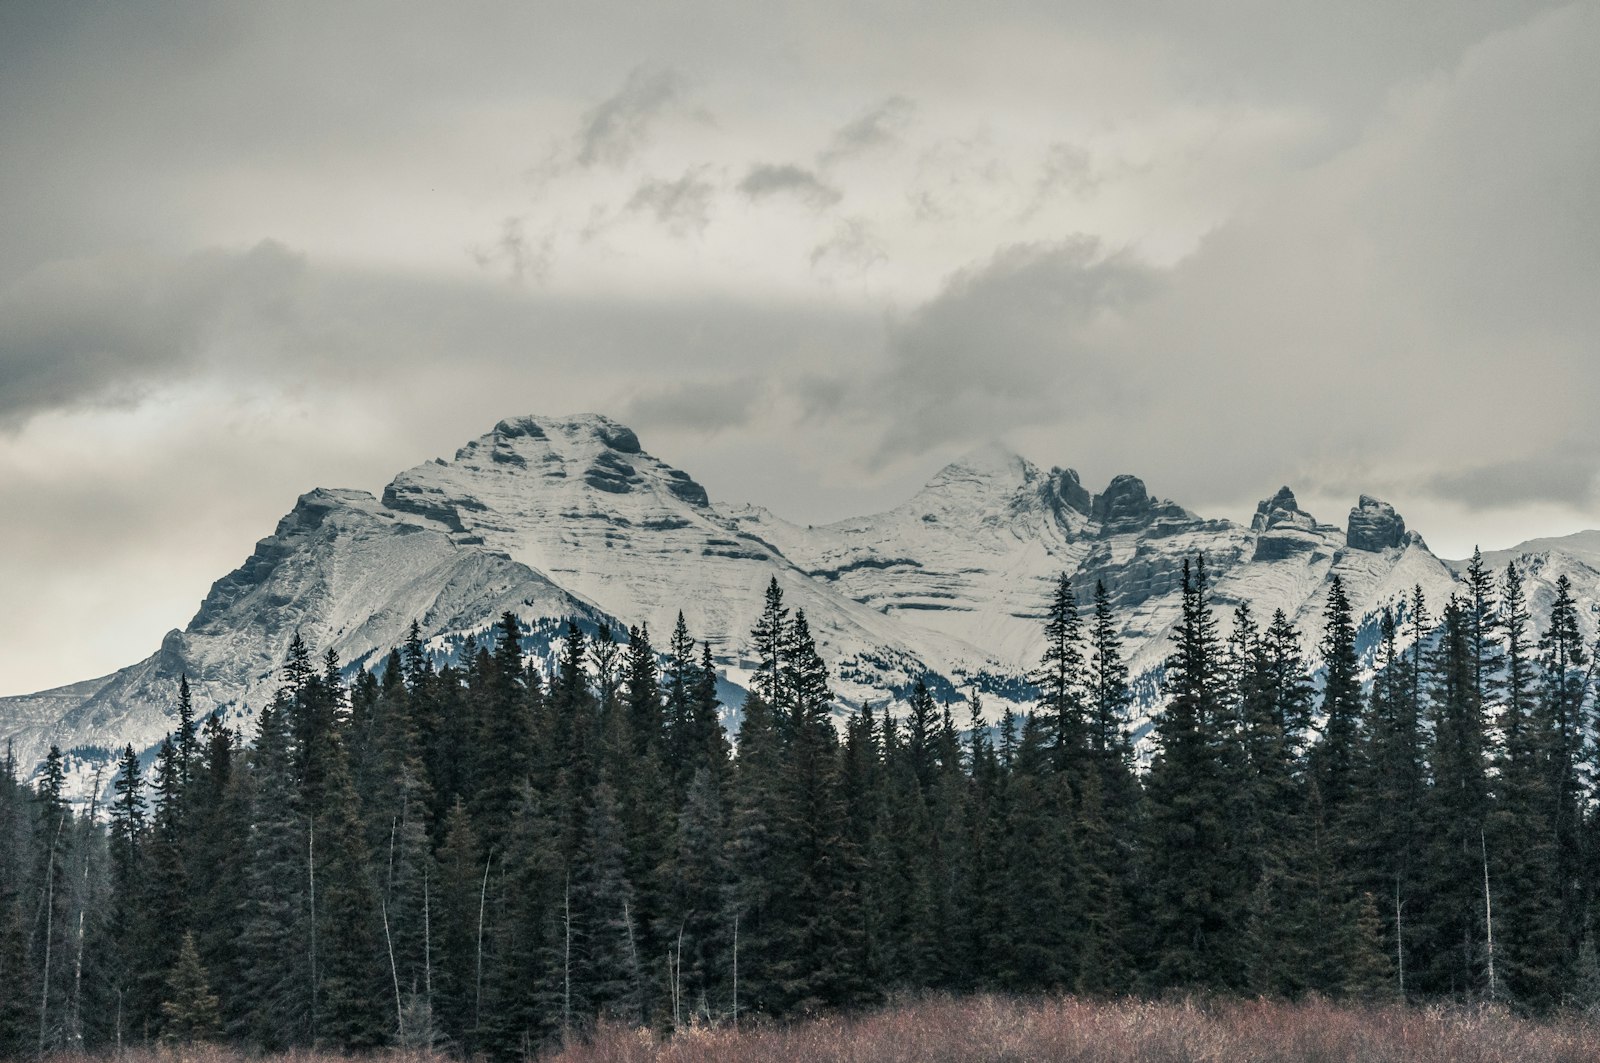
(570, 517)
(1543, 562)
(341, 570)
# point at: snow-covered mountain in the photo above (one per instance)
(553, 518)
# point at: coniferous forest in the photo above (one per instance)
(487, 859)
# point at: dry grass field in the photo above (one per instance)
(995, 1029)
(999, 1030)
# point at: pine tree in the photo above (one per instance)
(903, 873)
(694, 924)
(186, 739)
(1196, 894)
(127, 839)
(522, 957)
(52, 837)
(349, 972)
(275, 932)
(190, 1011)
(1392, 787)
(766, 638)
(1060, 681)
(708, 737)
(1483, 622)
(219, 834)
(1450, 922)
(1327, 830)
(18, 1021)
(608, 971)
(1564, 673)
(505, 752)
(1109, 703)
(1270, 685)
(919, 752)
(1368, 970)
(681, 675)
(643, 685)
(1523, 826)
(756, 860)
(818, 918)
(463, 866)
(1038, 949)
(1333, 760)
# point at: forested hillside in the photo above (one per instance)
(486, 857)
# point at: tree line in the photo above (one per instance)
(487, 858)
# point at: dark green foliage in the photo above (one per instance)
(487, 858)
(1060, 681)
(1333, 761)
(274, 919)
(1450, 922)
(1196, 883)
(349, 986)
(17, 1020)
(190, 1012)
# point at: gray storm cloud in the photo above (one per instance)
(1361, 311)
(882, 126)
(682, 205)
(614, 129)
(100, 330)
(1222, 246)
(765, 180)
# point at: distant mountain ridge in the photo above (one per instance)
(569, 517)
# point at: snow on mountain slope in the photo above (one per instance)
(1543, 562)
(1582, 547)
(975, 553)
(578, 499)
(341, 570)
(569, 517)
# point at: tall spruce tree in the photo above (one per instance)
(275, 939)
(1334, 759)
(1451, 920)
(1532, 937)
(1060, 680)
(1196, 896)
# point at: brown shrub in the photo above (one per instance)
(996, 1029)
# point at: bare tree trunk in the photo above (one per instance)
(311, 880)
(736, 970)
(427, 938)
(49, 930)
(1488, 919)
(633, 951)
(677, 975)
(76, 1033)
(388, 940)
(483, 897)
(566, 959)
(1399, 940)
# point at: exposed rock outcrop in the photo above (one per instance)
(1375, 526)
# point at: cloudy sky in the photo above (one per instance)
(809, 251)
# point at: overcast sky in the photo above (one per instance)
(809, 251)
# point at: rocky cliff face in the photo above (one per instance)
(1375, 526)
(552, 518)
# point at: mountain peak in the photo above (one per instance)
(989, 471)
(1281, 508)
(1374, 526)
(991, 460)
(1126, 505)
(575, 427)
